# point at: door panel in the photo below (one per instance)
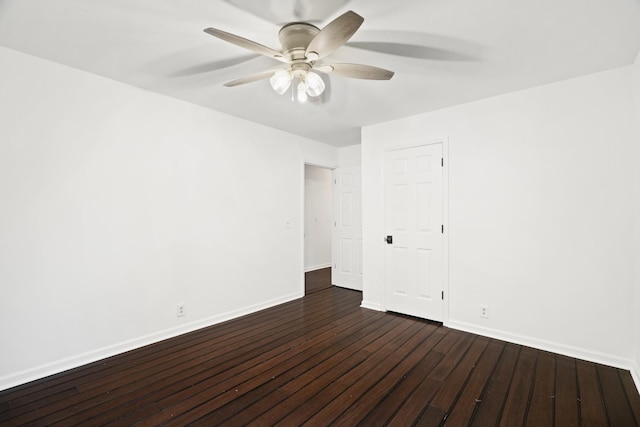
(346, 256)
(400, 284)
(347, 230)
(423, 278)
(413, 216)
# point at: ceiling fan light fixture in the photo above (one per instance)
(302, 45)
(314, 83)
(281, 80)
(302, 92)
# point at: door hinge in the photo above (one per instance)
(443, 295)
(442, 161)
(442, 228)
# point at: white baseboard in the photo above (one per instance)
(353, 288)
(579, 353)
(371, 306)
(62, 365)
(316, 267)
(635, 374)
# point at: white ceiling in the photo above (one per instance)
(444, 52)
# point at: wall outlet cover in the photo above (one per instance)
(484, 311)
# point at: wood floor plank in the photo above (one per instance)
(492, 400)
(388, 371)
(542, 406)
(331, 334)
(370, 365)
(415, 404)
(268, 394)
(566, 411)
(466, 404)
(396, 396)
(322, 360)
(372, 393)
(432, 416)
(330, 362)
(224, 386)
(614, 396)
(592, 412)
(281, 367)
(438, 409)
(304, 388)
(382, 333)
(448, 342)
(317, 280)
(632, 394)
(220, 361)
(449, 363)
(453, 384)
(515, 407)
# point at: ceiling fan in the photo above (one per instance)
(304, 46)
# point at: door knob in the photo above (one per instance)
(389, 240)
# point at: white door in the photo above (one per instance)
(347, 229)
(413, 196)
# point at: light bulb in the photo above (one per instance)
(302, 92)
(280, 81)
(315, 84)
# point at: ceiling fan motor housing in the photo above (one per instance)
(295, 37)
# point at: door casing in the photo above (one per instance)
(445, 216)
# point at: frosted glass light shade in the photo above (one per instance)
(280, 81)
(315, 84)
(302, 92)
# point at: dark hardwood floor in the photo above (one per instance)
(317, 280)
(323, 360)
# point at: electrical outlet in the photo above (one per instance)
(180, 311)
(484, 311)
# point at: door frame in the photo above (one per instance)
(445, 215)
(302, 214)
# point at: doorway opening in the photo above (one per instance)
(318, 224)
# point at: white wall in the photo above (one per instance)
(317, 217)
(540, 208)
(636, 92)
(118, 204)
(350, 156)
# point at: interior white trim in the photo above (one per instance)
(372, 305)
(321, 164)
(445, 221)
(635, 374)
(317, 267)
(62, 365)
(579, 353)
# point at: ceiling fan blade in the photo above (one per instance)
(412, 51)
(356, 71)
(334, 35)
(251, 78)
(214, 65)
(246, 43)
